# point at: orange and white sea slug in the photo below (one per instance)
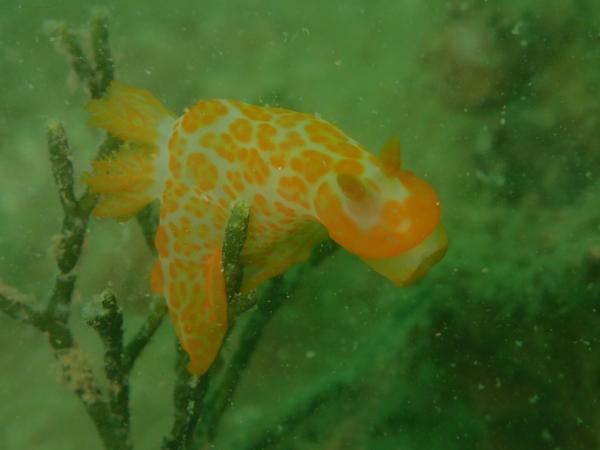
(303, 178)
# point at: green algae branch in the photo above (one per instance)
(200, 401)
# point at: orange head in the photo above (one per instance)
(384, 214)
(378, 224)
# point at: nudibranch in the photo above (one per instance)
(303, 178)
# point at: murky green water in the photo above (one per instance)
(495, 105)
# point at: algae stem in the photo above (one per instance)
(103, 60)
(134, 348)
(62, 166)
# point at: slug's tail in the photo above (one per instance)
(128, 179)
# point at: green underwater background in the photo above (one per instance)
(496, 104)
